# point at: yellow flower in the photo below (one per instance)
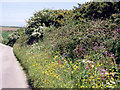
(113, 87)
(70, 62)
(56, 57)
(107, 86)
(98, 78)
(116, 85)
(82, 86)
(68, 68)
(72, 72)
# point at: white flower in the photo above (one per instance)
(108, 83)
(84, 60)
(90, 61)
(106, 73)
(112, 82)
(92, 65)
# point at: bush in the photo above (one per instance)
(36, 34)
(95, 10)
(116, 18)
(12, 38)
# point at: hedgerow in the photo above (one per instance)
(77, 48)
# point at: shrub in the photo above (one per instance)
(95, 10)
(12, 38)
(116, 18)
(36, 35)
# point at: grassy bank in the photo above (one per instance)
(49, 63)
(5, 35)
(77, 48)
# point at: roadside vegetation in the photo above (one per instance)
(77, 48)
(10, 35)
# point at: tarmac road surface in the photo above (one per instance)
(12, 73)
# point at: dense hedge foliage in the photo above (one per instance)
(77, 48)
(95, 10)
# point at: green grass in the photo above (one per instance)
(5, 35)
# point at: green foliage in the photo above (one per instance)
(5, 36)
(69, 50)
(12, 38)
(116, 18)
(94, 10)
(36, 35)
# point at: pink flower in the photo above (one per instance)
(112, 55)
(95, 43)
(101, 46)
(86, 67)
(89, 64)
(96, 68)
(103, 70)
(114, 32)
(105, 52)
(95, 48)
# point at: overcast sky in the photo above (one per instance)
(15, 12)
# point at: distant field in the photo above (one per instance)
(9, 28)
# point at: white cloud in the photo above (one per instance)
(78, 1)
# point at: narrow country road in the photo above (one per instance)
(12, 73)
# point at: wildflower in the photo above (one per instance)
(105, 52)
(103, 70)
(114, 32)
(108, 83)
(95, 48)
(82, 86)
(101, 46)
(56, 57)
(92, 66)
(86, 67)
(72, 72)
(96, 68)
(84, 60)
(117, 29)
(95, 43)
(112, 82)
(89, 73)
(89, 64)
(112, 55)
(63, 58)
